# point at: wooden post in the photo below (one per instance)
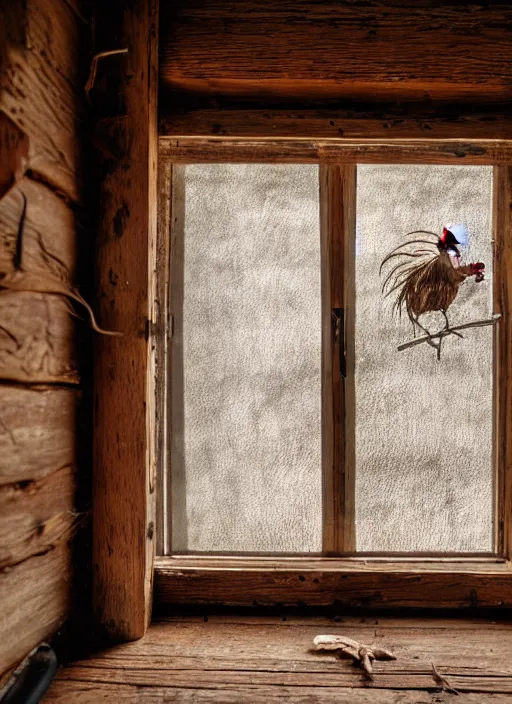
(124, 99)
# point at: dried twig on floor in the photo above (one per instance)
(442, 681)
(360, 653)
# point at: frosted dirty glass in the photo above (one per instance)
(246, 455)
(424, 478)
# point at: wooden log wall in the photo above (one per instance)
(41, 101)
(335, 69)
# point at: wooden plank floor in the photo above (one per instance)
(258, 659)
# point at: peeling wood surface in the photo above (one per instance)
(37, 331)
(37, 338)
(189, 150)
(13, 152)
(231, 659)
(123, 500)
(337, 50)
(362, 583)
(49, 231)
(41, 87)
(35, 516)
(37, 432)
(35, 597)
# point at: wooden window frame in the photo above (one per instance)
(127, 411)
(385, 580)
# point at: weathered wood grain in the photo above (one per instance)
(197, 151)
(36, 516)
(336, 50)
(413, 122)
(42, 66)
(343, 677)
(13, 152)
(153, 662)
(35, 597)
(123, 517)
(227, 658)
(346, 583)
(503, 349)
(48, 235)
(41, 87)
(95, 693)
(37, 338)
(37, 432)
(37, 331)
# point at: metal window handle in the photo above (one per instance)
(338, 321)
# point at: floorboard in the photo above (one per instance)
(225, 658)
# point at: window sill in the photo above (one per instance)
(453, 583)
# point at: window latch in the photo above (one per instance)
(338, 323)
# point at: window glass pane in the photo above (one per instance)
(246, 427)
(424, 471)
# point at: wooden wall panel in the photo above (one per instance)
(37, 338)
(36, 516)
(37, 432)
(35, 597)
(37, 486)
(49, 231)
(13, 152)
(41, 87)
(41, 107)
(37, 331)
(372, 50)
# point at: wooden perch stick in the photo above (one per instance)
(449, 331)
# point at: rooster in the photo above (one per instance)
(431, 283)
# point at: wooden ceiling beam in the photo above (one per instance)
(389, 50)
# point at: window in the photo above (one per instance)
(246, 359)
(423, 459)
(301, 443)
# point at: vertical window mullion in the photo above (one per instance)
(337, 215)
(502, 208)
